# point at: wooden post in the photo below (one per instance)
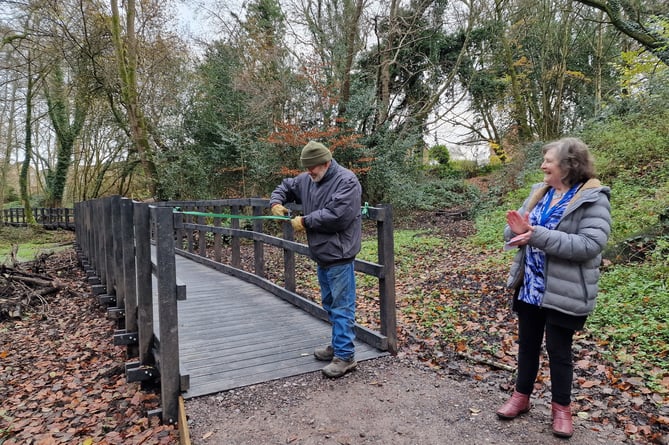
(387, 281)
(129, 273)
(288, 257)
(81, 219)
(76, 238)
(258, 246)
(144, 283)
(80, 234)
(189, 232)
(180, 234)
(217, 236)
(235, 245)
(106, 228)
(201, 234)
(179, 231)
(117, 250)
(99, 208)
(170, 385)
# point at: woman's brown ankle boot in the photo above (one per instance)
(563, 424)
(518, 404)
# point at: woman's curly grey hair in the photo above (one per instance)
(574, 159)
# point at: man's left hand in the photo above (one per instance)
(298, 224)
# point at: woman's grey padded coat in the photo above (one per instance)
(573, 250)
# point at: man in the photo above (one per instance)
(330, 196)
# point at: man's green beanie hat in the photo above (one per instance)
(314, 153)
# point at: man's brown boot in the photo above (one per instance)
(324, 353)
(563, 424)
(338, 367)
(518, 404)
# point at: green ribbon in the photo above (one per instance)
(364, 212)
(230, 216)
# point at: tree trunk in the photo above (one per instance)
(599, 51)
(66, 134)
(9, 111)
(126, 54)
(386, 46)
(351, 39)
(519, 108)
(24, 176)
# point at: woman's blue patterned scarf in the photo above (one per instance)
(542, 214)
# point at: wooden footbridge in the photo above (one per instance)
(201, 308)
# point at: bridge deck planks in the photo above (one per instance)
(233, 333)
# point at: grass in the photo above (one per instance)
(631, 320)
(31, 242)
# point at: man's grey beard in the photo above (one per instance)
(319, 177)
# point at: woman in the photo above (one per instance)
(560, 230)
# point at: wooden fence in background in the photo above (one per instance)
(49, 218)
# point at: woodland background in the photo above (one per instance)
(109, 97)
(103, 98)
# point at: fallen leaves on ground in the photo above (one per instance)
(62, 380)
(454, 315)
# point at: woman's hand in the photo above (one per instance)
(519, 224)
(518, 241)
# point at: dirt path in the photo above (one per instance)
(386, 401)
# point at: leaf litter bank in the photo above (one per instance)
(61, 379)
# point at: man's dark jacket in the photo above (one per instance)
(331, 209)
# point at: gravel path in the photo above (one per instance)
(385, 401)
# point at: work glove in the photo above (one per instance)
(279, 210)
(298, 224)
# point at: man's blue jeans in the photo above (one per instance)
(338, 299)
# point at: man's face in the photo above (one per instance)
(317, 172)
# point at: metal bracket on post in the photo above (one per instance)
(136, 373)
(121, 337)
(106, 300)
(115, 313)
